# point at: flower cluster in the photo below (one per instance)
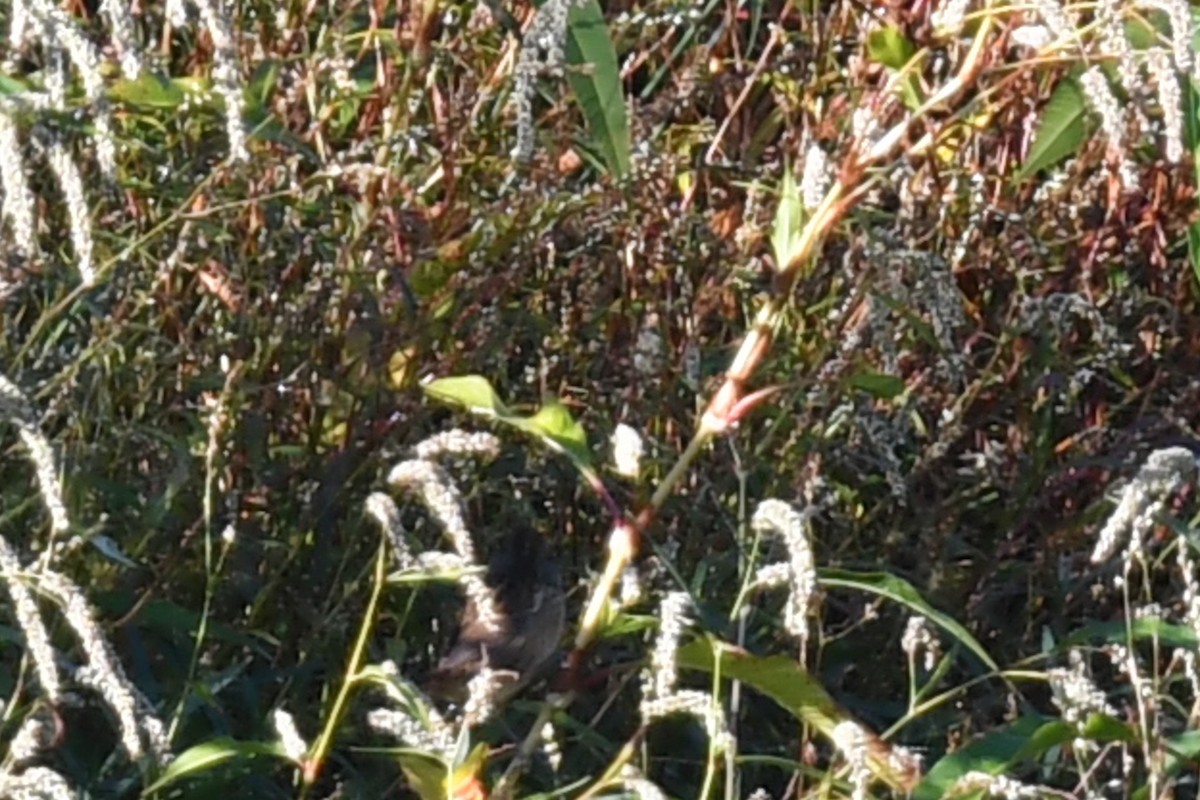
(660, 695)
(425, 478)
(1164, 472)
(799, 572)
(541, 51)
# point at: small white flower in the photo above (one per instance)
(627, 451)
(1034, 37)
(289, 736)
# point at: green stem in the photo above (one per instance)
(320, 750)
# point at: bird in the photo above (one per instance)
(531, 605)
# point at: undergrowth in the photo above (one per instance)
(799, 399)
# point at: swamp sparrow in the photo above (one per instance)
(530, 603)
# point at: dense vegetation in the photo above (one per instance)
(898, 301)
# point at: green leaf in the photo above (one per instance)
(1061, 131)
(1103, 728)
(1026, 740)
(204, 757)
(778, 677)
(417, 576)
(13, 86)
(597, 86)
(878, 384)
(552, 423)
(472, 391)
(1182, 750)
(426, 773)
(148, 90)
(1140, 629)
(789, 221)
(991, 754)
(796, 690)
(555, 425)
(890, 47)
(1192, 132)
(901, 591)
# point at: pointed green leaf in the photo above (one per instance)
(1141, 629)
(1061, 131)
(890, 47)
(791, 686)
(426, 773)
(878, 384)
(789, 220)
(148, 90)
(1103, 728)
(777, 677)
(203, 757)
(991, 754)
(472, 391)
(552, 423)
(901, 591)
(555, 425)
(597, 84)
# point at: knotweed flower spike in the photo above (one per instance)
(1104, 103)
(226, 73)
(816, 178)
(382, 508)
(29, 620)
(482, 691)
(457, 442)
(1170, 100)
(425, 730)
(853, 742)
(444, 502)
(660, 697)
(547, 35)
(42, 783)
(997, 786)
(142, 733)
(15, 408)
(799, 574)
(18, 207)
(1164, 472)
(71, 183)
(1075, 694)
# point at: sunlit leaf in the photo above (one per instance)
(1061, 130)
(426, 773)
(1103, 728)
(552, 423)
(796, 690)
(789, 221)
(1025, 741)
(149, 90)
(597, 84)
(890, 47)
(1141, 629)
(472, 391)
